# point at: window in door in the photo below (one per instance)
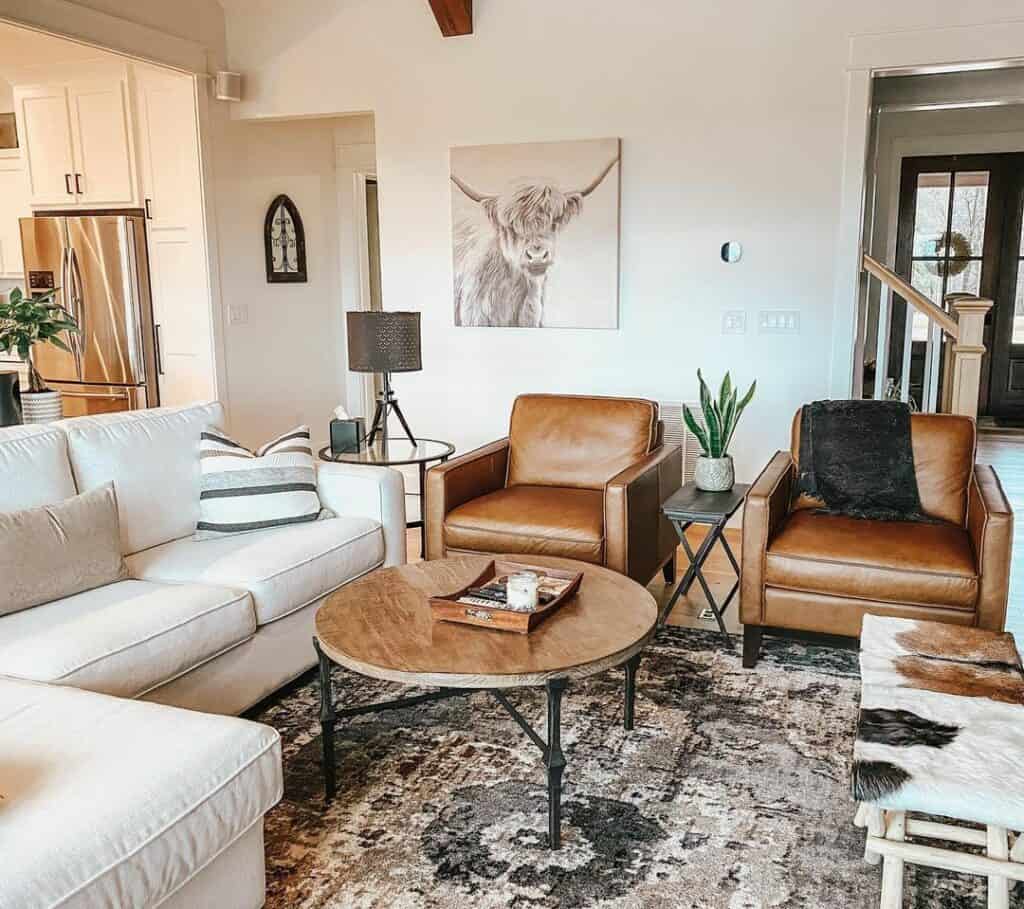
(949, 237)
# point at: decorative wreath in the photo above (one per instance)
(959, 248)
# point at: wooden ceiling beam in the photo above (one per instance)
(455, 17)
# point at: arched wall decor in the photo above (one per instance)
(284, 243)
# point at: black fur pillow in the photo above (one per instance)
(857, 458)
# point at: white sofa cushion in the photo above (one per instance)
(284, 569)
(152, 457)
(58, 550)
(112, 802)
(125, 638)
(34, 467)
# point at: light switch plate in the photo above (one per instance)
(734, 322)
(778, 322)
(238, 315)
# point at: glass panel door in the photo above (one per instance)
(951, 220)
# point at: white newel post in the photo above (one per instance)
(967, 353)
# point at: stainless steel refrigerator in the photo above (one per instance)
(100, 265)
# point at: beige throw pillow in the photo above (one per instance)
(58, 550)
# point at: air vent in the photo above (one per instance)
(676, 433)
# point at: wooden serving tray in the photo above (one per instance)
(447, 608)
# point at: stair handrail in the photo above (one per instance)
(913, 296)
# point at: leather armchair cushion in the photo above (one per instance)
(541, 520)
(575, 441)
(885, 561)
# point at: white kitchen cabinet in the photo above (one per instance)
(44, 125)
(78, 141)
(14, 204)
(169, 164)
(102, 141)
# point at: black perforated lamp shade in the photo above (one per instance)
(384, 342)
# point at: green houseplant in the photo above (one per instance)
(24, 323)
(714, 470)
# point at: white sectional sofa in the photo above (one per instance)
(136, 804)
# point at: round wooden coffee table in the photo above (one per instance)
(381, 626)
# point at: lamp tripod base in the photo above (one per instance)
(387, 404)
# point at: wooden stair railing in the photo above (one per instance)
(966, 329)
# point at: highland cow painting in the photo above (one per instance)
(536, 234)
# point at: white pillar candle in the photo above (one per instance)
(522, 591)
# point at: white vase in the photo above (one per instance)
(41, 406)
(714, 474)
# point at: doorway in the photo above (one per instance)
(959, 231)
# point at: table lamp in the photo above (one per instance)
(384, 342)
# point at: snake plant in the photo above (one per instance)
(720, 416)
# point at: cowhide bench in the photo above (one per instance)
(941, 732)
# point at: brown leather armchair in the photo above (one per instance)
(579, 477)
(822, 573)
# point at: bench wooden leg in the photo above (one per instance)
(871, 818)
(998, 887)
(892, 867)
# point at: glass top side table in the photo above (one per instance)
(395, 452)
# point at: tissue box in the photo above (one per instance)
(347, 436)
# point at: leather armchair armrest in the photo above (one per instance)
(764, 512)
(456, 482)
(990, 525)
(639, 539)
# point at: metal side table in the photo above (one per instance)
(688, 506)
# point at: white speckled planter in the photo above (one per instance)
(714, 474)
(41, 406)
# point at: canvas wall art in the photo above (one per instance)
(535, 239)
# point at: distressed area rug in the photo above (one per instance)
(732, 791)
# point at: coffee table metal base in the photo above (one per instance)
(551, 750)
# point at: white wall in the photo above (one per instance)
(731, 117)
(282, 364)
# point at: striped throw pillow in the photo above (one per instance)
(242, 491)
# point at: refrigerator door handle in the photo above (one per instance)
(65, 280)
(77, 339)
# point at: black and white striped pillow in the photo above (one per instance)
(242, 491)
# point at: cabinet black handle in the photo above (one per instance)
(78, 184)
(149, 210)
(67, 184)
(158, 337)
